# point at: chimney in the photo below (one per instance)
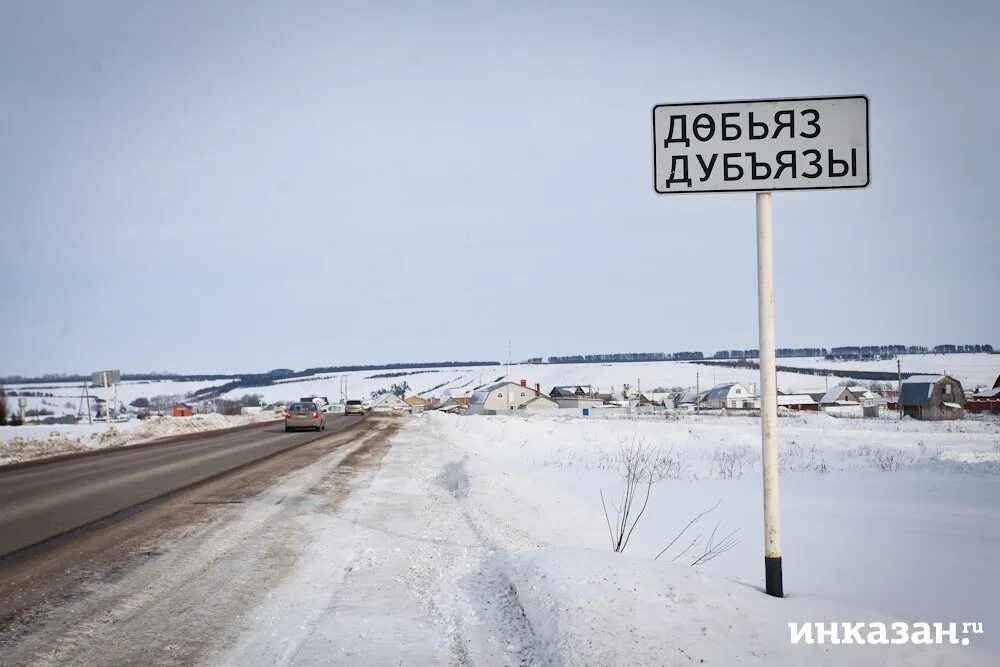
(538, 388)
(524, 383)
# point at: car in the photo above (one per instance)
(304, 415)
(354, 408)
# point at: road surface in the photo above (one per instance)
(43, 501)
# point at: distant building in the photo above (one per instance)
(573, 390)
(791, 402)
(840, 396)
(692, 400)
(182, 410)
(501, 396)
(987, 400)
(416, 403)
(454, 404)
(932, 397)
(731, 395)
(388, 402)
(540, 403)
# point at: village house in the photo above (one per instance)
(576, 396)
(388, 402)
(416, 403)
(454, 404)
(501, 396)
(840, 396)
(791, 402)
(932, 397)
(540, 403)
(732, 396)
(690, 400)
(985, 400)
(182, 410)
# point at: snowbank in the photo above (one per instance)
(601, 608)
(27, 443)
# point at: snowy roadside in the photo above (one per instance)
(29, 443)
(463, 548)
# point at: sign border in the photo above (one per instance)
(868, 136)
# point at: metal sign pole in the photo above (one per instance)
(768, 395)
(107, 406)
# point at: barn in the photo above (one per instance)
(932, 397)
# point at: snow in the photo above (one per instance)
(921, 379)
(914, 497)
(481, 540)
(972, 370)
(599, 608)
(27, 443)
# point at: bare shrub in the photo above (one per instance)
(883, 459)
(890, 459)
(794, 457)
(700, 549)
(734, 461)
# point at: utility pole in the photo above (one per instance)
(899, 386)
(697, 389)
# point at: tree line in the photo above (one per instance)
(844, 352)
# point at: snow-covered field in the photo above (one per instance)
(881, 519)
(67, 399)
(972, 370)
(27, 443)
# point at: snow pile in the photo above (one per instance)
(600, 608)
(35, 443)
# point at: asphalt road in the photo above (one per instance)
(43, 501)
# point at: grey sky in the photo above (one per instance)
(233, 186)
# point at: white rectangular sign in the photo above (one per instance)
(105, 378)
(816, 143)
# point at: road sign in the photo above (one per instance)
(812, 143)
(105, 378)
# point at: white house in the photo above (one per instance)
(732, 395)
(500, 397)
(388, 402)
(840, 396)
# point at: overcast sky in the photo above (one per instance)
(216, 186)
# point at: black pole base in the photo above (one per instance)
(772, 577)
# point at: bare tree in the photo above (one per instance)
(641, 467)
(3, 406)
